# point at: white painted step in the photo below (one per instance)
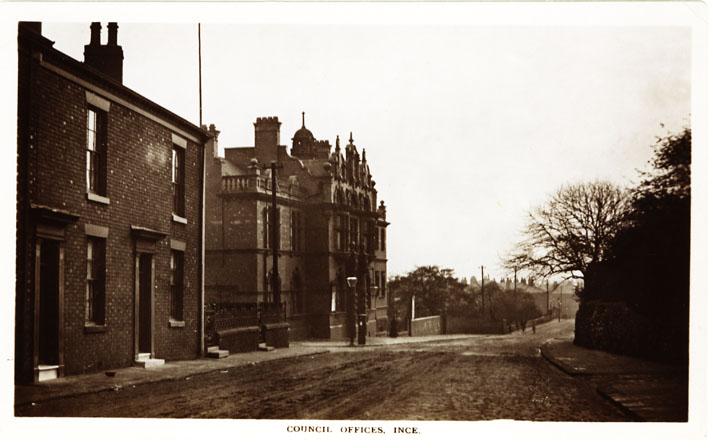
(46, 373)
(212, 348)
(263, 347)
(217, 353)
(148, 362)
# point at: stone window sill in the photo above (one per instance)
(90, 327)
(179, 219)
(176, 323)
(97, 198)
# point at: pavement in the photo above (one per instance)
(645, 390)
(75, 385)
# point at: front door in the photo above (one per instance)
(48, 328)
(145, 293)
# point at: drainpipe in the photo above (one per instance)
(202, 213)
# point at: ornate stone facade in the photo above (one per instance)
(330, 227)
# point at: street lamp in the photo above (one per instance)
(351, 282)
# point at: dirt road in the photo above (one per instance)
(478, 378)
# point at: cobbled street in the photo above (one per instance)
(474, 378)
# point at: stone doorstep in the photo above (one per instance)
(147, 362)
(265, 348)
(217, 353)
(46, 373)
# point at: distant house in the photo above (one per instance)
(565, 297)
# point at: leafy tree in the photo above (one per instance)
(433, 287)
(515, 307)
(648, 264)
(572, 231)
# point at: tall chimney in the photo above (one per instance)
(109, 58)
(113, 29)
(35, 27)
(96, 29)
(267, 138)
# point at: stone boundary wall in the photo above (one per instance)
(457, 324)
(614, 327)
(427, 326)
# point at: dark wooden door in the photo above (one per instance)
(49, 303)
(145, 289)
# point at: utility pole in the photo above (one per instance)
(515, 283)
(482, 290)
(547, 287)
(275, 231)
(200, 80)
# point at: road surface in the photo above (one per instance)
(476, 378)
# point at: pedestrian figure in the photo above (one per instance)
(533, 327)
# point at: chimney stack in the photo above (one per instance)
(35, 27)
(267, 137)
(109, 58)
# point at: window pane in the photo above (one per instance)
(91, 140)
(174, 164)
(91, 120)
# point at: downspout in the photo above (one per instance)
(202, 242)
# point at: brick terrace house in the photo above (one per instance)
(109, 216)
(330, 227)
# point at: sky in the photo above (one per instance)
(466, 128)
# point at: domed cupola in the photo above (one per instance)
(303, 142)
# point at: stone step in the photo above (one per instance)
(212, 348)
(46, 373)
(149, 363)
(142, 356)
(217, 353)
(263, 347)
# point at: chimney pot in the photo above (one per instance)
(113, 28)
(96, 28)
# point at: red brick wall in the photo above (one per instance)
(139, 188)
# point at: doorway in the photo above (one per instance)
(145, 288)
(48, 312)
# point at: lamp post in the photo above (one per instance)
(362, 292)
(351, 282)
(275, 235)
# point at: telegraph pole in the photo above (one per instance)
(200, 80)
(482, 290)
(547, 283)
(275, 233)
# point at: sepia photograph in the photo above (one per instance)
(363, 220)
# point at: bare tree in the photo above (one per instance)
(570, 233)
